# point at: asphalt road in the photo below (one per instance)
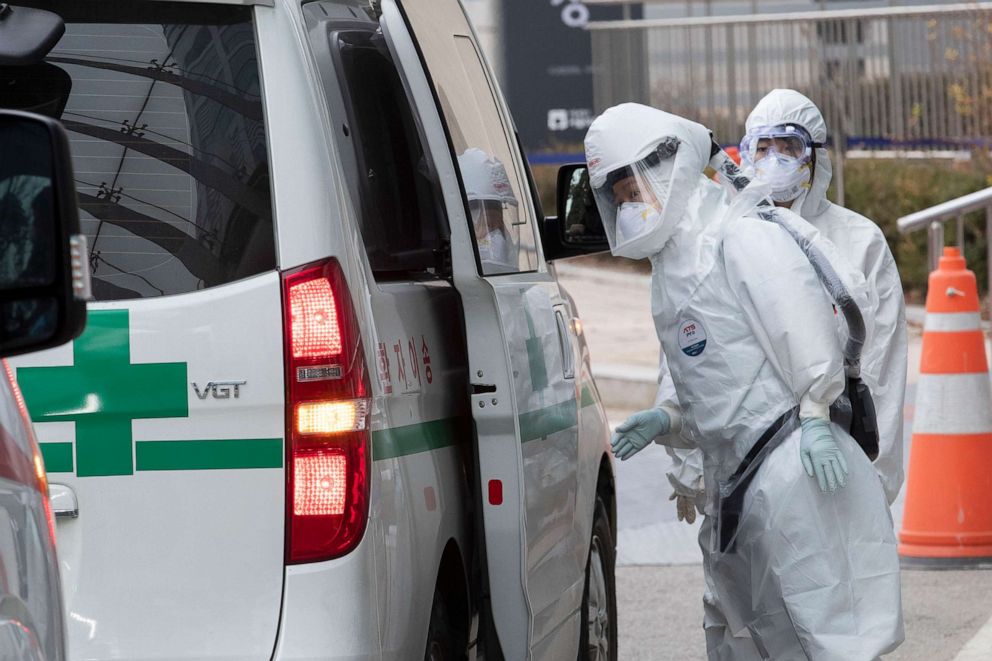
(660, 613)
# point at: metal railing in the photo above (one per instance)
(933, 220)
(905, 77)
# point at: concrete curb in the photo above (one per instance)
(627, 387)
(916, 315)
(602, 274)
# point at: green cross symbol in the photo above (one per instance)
(103, 393)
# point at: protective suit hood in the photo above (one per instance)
(785, 106)
(663, 152)
(485, 177)
(493, 209)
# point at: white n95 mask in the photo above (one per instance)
(635, 218)
(787, 176)
(497, 252)
(781, 156)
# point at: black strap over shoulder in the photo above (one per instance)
(732, 505)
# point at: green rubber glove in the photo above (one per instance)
(633, 434)
(821, 455)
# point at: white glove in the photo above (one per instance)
(685, 506)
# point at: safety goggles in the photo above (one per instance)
(790, 140)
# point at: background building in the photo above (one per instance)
(547, 61)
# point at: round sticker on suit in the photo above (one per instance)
(692, 337)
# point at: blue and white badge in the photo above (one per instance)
(692, 337)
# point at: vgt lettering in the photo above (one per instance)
(220, 389)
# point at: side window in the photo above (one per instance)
(498, 202)
(391, 180)
(495, 188)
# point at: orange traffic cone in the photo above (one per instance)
(948, 514)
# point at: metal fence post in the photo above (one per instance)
(935, 246)
(960, 232)
(731, 82)
(988, 257)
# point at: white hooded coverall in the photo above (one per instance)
(809, 574)
(861, 242)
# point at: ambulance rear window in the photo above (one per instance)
(163, 108)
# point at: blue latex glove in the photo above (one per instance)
(633, 434)
(821, 455)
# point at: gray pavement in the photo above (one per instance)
(659, 578)
(660, 613)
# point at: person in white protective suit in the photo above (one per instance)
(862, 244)
(784, 146)
(493, 208)
(802, 551)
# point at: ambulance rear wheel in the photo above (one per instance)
(441, 634)
(598, 636)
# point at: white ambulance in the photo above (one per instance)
(331, 402)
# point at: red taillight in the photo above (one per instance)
(321, 484)
(327, 409)
(316, 331)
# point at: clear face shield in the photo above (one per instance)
(496, 226)
(780, 155)
(632, 200)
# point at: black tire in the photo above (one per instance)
(442, 635)
(598, 632)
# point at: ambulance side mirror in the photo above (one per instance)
(44, 272)
(578, 229)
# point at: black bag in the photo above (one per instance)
(854, 411)
(864, 423)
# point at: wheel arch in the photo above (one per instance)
(606, 490)
(452, 585)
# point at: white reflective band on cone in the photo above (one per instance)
(950, 322)
(941, 404)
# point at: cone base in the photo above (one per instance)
(948, 513)
(938, 564)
